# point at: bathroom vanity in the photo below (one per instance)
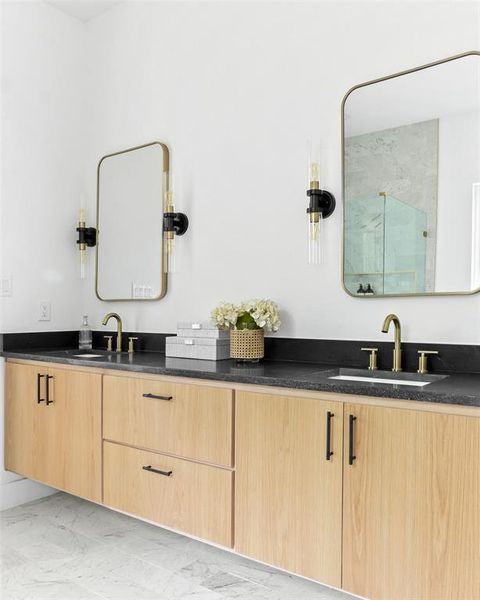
(367, 487)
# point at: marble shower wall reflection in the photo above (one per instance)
(394, 249)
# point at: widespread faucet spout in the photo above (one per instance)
(117, 317)
(397, 351)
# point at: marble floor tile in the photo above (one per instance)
(65, 548)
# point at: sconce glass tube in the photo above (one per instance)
(174, 224)
(315, 249)
(321, 206)
(315, 217)
(82, 247)
(169, 236)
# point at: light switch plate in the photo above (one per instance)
(45, 311)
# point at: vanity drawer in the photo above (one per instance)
(194, 421)
(189, 497)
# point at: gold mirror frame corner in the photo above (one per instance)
(344, 100)
(166, 173)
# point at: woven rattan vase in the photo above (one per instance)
(247, 344)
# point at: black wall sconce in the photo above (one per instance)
(174, 223)
(87, 238)
(322, 204)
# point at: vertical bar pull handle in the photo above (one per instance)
(47, 397)
(329, 451)
(351, 442)
(39, 386)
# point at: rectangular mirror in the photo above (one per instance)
(411, 181)
(131, 187)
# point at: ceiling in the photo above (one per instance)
(84, 10)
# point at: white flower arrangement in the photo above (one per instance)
(252, 314)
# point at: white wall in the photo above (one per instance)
(236, 89)
(42, 152)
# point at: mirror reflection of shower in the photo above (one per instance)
(385, 246)
(411, 153)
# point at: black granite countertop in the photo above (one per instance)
(462, 389)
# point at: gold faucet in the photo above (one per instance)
(397, 352)
(116, 316)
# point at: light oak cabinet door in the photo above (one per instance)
(24, 418)
(411, 505)
(288, 496)
(185, 495)
(53, 428)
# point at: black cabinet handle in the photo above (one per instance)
(329, 451)
(152, 470)
(47, 397)
(157, 397)
(39, 385)
(351, 449)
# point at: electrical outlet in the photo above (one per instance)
(45, 311)
(6, 286)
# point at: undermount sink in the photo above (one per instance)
(387, 377)
(76, 353)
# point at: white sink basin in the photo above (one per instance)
(381, 380)
(386, 377)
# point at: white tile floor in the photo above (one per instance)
(65, 548)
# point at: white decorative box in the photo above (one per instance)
(201, 348)
(197, 329)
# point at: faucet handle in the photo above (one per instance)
(109, 342)
(130, 344)
(422, 360)
(373, 358)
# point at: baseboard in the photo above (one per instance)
(21, 491)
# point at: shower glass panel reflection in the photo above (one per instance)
(385, 245)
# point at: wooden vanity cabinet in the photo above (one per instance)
(359, 493)
(58, 443)
(411, 518)
(168, 454)
(288, 493)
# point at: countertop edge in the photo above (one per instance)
(320, 385)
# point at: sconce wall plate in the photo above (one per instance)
(87, 236)
(322, 202)
(176, 222)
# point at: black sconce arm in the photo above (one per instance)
(87, 236)
(321, 201)
(176, 222)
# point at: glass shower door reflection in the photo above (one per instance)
(364, 254)
(385, 245)
(405, 248)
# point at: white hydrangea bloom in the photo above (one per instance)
(264, 312)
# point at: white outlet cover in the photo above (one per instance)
(6, 286)
(45, 311)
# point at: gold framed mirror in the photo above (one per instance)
(132, 186)
(411, 181)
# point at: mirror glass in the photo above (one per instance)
(130, 196)
(411, 182)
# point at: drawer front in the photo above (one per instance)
(190, 497)
(193, 421)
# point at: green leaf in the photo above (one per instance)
(246, 321)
